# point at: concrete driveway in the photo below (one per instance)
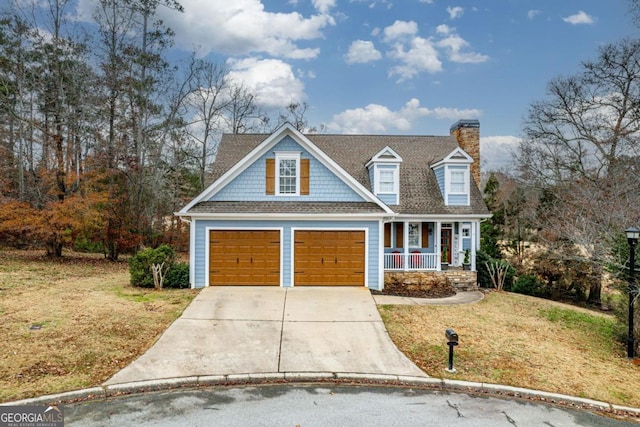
(251, 330)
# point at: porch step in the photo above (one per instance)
(462, 280)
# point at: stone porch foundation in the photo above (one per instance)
(460, 280)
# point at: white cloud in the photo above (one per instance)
(443, 29)
(420, 55)
(579, 18)
(323, 6)
(243, 27)
(533, 13)
(375, 118)
(271, 80)
(426, 1)
(362, 51)
(400, 29)
(496, 152)
(416, 54)
(455, 12)
(454, 44)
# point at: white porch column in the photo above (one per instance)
(405, 245)
(192, 253)
(475, 230)
(380, 256)
(438, 245)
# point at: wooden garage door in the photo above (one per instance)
(244, 257)
(329, 258)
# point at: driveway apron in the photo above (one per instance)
(250, 330)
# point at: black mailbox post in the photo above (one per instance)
(452, 341)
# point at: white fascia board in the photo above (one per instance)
(448, 159)
(339, 172)
(256, 153)
(239, 167)
(444, 218)
(289, 217)
(377, 157)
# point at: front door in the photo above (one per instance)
(445, 242)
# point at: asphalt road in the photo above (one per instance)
(322, 405)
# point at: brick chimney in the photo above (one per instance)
(467, 132)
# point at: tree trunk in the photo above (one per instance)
(595, 285)
(54, 248)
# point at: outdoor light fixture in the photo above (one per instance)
(633, 233)
(452, 341)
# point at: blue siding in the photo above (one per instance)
(440, 178)
(389, 199)
(250, 185)
(458, 200)
(372, 183)
(372, 227)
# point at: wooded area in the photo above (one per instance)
(102, 138)
(560, 215)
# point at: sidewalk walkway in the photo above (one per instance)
(459, 298)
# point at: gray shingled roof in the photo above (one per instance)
(419, 192)
(286, 207)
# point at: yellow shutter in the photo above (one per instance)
(271, 176)
(425, 234)
(387, 235)
(304, 176)
(399, 235)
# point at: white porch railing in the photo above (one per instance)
(410, 262)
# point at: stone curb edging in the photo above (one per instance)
(497, 390)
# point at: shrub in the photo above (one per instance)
(82, 244)
(484, 278)
(140, 264)
(177, 276)
(529, 284)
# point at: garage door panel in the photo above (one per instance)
(329, 257)
(244, 257)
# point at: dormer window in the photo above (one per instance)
(458, 181)
(384, 172)
(387, 181)
(453, 177)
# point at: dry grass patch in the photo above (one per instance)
(520, 341)
(93, 323)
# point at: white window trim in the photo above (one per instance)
(286, 155)
(467, 184)
(396, 179)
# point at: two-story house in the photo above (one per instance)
(288, 209)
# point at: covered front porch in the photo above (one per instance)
(413, 245)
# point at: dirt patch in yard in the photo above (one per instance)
(72, 323)
(442, 290)
(520, 341)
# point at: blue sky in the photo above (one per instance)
(402, 66)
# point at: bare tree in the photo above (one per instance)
(581, 142)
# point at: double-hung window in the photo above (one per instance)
(415, 232)
(288, 174)
(387, 181)
(457, 184)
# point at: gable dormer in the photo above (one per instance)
(453, 174)
(384, 174)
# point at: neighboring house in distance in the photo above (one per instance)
(288, 209)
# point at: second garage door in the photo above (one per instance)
(329, 258)
(244, 257)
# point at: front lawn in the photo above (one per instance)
(520, 341)
(73, 323)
